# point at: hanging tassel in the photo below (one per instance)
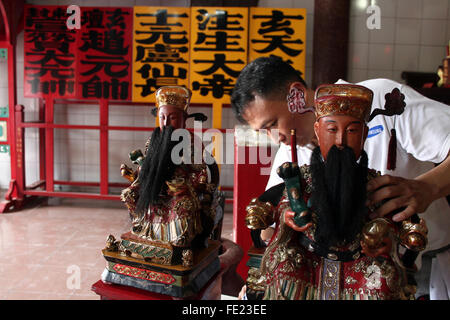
(392, 152)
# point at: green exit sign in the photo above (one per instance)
(4, 112)
(3, 54)
(4, 148)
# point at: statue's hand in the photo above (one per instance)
(289, 220)
(127, 172)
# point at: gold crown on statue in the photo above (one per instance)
(173, 95)
(343, 99)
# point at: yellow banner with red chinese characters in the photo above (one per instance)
(278, 32)
(160, 50)
(218, 52)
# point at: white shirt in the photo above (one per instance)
(423, 138)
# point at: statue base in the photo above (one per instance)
(174, 280)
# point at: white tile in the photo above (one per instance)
(358, 55)
(75, 118)
(92, 173)
(409, 9)
(31, 133)
(121, 3)
(61, 171)
(375, 74)
(309, 28)
(124, 120)
(435, 9)
(148, 3)
(275, 3)
(114, 175)
(430, 58)
(118, 153)
(4, 97)
(75, 134)
(433, 32)
(4, 158)
(31, 172)
(358, 8)
(93, 135)
(388, 8)
(385, 34)
(3, 72)
(397, 76)
(381, 56)
(408, 31)
(77, 152)
(356, 75)
(76, 172)
(140, 138)
(309, 54)
(406, 57)
(92, 119)
(5, 169)
(31, 150)
(19, 47)
(358, 31)
(121, 135)
(92, 152)
(304, 4)
(19, 74)
(177, 3)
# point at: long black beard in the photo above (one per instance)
(339, 195)
(156, 169)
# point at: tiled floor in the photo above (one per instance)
(52, 250)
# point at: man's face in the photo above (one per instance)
(340, 131)
(171, 115)
(273, 114)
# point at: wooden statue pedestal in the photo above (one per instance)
(172, 280)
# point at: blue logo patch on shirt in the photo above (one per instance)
(374, 131)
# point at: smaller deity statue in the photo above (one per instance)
(175, 208)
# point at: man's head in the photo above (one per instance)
(260, 99)
(342, 111)
(339, 181)
(172, 103)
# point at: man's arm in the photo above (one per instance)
(414, 195)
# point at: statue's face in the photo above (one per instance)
(340, 131)
(171, 115)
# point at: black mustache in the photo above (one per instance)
(339, 195)
(156, 169)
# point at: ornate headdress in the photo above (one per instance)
(343, 99)
(173, 95)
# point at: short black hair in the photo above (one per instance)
(266, 77)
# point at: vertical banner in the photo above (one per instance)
(218, 52)
(160, 50)
(104, 46)
(279, 32)
(49, 53)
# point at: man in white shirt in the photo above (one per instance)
(262, 98)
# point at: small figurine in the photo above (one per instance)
(325, 246)
(176, 212)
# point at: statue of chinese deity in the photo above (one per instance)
(325, 246)
(176, 212)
